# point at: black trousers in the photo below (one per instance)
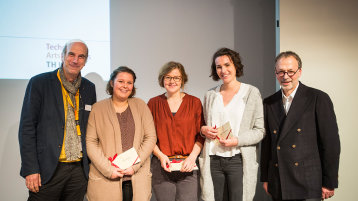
(227, 174)
(67, 184)
(127, 190)
(316, 199)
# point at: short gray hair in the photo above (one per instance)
(289, 54)
(69, 43)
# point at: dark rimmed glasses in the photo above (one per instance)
(175, 78)
(289, 73)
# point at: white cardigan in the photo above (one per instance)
(251, 133)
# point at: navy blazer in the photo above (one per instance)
(42, 123)
(300, 152)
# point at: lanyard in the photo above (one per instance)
(69, 101)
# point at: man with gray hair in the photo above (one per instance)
(52, 129)
(300, 152)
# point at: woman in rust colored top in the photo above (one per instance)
(177, 118)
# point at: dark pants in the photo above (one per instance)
(278, 196)
(174, 186)
(317, 199)
(226, 173)
(127, 190)
(67, 184)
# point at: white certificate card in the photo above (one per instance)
(127, 159)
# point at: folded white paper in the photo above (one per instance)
(176, 164)
(127, 159)
(224, 131)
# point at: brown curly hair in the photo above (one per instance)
(234, 57)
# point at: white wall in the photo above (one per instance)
(147, 34)
(324, 34)
(12, 185)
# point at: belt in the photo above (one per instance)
(178, 156)
(70, 163)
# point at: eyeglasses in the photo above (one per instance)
(289, 73)
(176, 78)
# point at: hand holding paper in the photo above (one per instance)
(188, 164)
(116, 173)
(209, 132)
(232, 142)
(165, 162)
(177, 164)
(224, 132)
(129, 171)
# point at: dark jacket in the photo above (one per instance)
(300, 152)
(42, 122)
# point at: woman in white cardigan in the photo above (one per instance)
(229, 166)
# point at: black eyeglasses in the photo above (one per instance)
(289, 73)
(176, 78)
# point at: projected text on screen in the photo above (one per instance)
(33, 34)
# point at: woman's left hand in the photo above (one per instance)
(232, 142)
(188, 164)
(129, 171)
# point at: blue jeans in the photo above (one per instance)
(227, 173)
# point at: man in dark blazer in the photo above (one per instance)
(300, 152)
(52, 129)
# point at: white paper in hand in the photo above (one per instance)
(127, 159)
(224, 131)
(176, 164)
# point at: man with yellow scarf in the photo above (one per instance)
(52, 129)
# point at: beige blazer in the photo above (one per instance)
(104, 140)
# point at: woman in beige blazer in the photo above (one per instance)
(115, 125)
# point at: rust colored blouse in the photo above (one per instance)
(176, 135)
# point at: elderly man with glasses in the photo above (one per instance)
(300, 152)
